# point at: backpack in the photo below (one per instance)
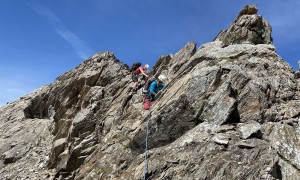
(147, 103)
(135, 66)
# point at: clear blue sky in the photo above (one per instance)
(42, 39)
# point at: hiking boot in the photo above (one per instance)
(134, 91)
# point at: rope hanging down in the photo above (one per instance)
(146, 146)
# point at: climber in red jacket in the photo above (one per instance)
(137, 75)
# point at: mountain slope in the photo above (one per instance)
(230, 110)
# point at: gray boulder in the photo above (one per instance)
(247, 130)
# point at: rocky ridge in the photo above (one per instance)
(230, 110)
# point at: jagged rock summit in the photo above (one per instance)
(230, 110)
(248, 27)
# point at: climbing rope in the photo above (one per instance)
(146, 144)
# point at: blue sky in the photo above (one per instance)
(42, 39)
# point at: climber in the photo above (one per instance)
(154, 87)
(137, 74)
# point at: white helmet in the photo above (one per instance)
(147, 66)
(162, 78)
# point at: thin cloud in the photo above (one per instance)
(80, 46)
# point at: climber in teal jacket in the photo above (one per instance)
(156, 86)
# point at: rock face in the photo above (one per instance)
(248, 27)
(230, 110)
(25, 143)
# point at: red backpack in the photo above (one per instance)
(147, 103)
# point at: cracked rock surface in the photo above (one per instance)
(230, 110)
